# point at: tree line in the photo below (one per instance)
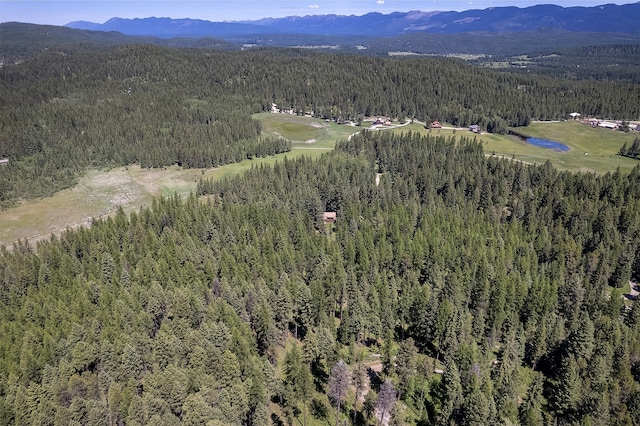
(632, 151)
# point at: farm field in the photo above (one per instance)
(101, 192)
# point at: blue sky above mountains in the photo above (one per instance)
(55, 12)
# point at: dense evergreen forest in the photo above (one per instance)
(488, 291)
(613, 62)
(62, 113)
(242, 307)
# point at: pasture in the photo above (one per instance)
(99, 193)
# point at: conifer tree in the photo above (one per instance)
(387, 398)
(359, 380)
(338, 385)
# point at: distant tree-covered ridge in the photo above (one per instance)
(245, 308)
(156, 106)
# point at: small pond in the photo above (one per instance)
(544, 143)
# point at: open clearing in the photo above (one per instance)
(304, 132)
(100, 192)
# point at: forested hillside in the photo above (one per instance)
(477, 290)
(62, 113)
(242, 307)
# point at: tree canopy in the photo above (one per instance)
(491, 290)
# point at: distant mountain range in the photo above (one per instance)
(606, 18)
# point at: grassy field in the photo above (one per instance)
(591, 150)
(101, 192)
(310, 137)
(305, 133)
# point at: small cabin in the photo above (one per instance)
(474, 128)
(436, 125)
(329, 217)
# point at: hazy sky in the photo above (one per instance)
(61, 12)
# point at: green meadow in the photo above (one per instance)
(305, 133)
(100, 193)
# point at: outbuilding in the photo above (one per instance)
(329, 217)
(607, 125)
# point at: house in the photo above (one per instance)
(4, 161)
(436, 125)
(607, 125)
(474, 128)
(329, 217)
(575, 115)
(378, 122)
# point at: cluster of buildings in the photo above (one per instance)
(612, 125)
(381, 121)
(473, 128)
(604, 124)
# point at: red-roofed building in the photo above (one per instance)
(329, 217)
